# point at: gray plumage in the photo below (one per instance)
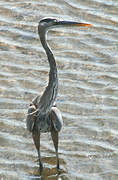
(43, 116)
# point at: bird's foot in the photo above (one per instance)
(41, 168)
(59, 170)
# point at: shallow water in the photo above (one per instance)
(87, 61)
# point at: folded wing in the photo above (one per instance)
(56, 118)
(31, 117)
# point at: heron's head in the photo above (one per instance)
(48, 23)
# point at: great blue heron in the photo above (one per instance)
(43, 116)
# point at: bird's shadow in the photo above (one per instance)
(48, 173)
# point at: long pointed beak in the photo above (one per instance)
(71, 23)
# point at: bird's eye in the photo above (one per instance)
(55, 21)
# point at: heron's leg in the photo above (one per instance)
(36, 138)
(55, 139)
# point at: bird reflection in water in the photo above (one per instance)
(48, 174)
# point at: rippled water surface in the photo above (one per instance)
(87, 60)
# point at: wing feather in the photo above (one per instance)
(56, 118)
(31, 117)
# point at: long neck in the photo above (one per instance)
(51, 60)
(50, 93)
